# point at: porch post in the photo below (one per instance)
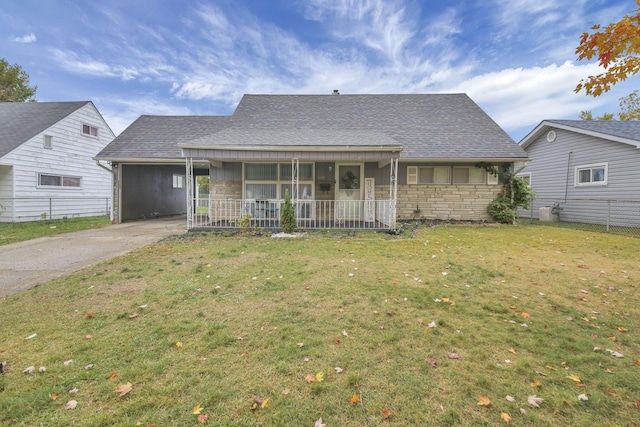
(393, 193)
(189, 184)
(294, 184)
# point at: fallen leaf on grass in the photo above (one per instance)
(286, 391)
(433, 324)
(535, 383)
(574, 378)
(611, 392)
(583, 397)
(197, 410)
(338, 370)
(453, 356)
(179, 344)
(29, 370)
(123, 389)
(623, 329)
(615, 354)
(484, 401)
(203, 418)
(512, 350)
(638, 362)
(506, 417)
(386, 413)
(525, 315)
(510, 399)
(113, 376)
(74, 391)
(344, 333)
(91, 315)
(535, 401)
(133, 316)
(318, 423)
(354, 398)
(71, 404)
(67, 362)
(310, 378)
(53, 396)
(431, 360)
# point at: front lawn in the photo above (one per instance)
(454, 325)
(18, 231)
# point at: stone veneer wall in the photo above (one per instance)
(223, 190)
(443, 202)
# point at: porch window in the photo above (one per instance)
(59, 180)
(264, 181)
(468, 175)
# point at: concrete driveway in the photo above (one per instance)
(25, 265)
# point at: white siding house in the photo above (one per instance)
(589, 169)
(47, 169)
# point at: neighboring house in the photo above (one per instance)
(589, 169)
(46, 161)
(347, 161)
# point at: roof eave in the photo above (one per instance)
(465, 159)
(323, 148)
(542, 127)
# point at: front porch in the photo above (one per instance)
(310, 214)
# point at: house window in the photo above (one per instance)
(178, 181)
(526, 176)
(47, 142)
(59, 180)
(428, 175)
(270, 180)
(592, 174)
(434, 175)
(468, 175)
(89, 130)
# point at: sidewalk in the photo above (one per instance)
(25, 265)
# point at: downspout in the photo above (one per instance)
(114, 217)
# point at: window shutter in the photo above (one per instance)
(412, 174)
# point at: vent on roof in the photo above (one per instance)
(336, 92)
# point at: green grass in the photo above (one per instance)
(242, 305)
(20, 231)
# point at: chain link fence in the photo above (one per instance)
(606, 215)
(24, 209)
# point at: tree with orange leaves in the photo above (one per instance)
(617, 48)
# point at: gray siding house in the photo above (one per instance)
(46, 161)
(589, 169)
(352, 161)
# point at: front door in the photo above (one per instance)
(349, 186)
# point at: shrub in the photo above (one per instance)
(288, 214)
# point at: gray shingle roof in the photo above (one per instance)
(427, 126)
(623, 129)
(21, 121)
(157, 137)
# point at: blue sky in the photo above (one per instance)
(515, 58)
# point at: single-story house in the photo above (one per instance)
(47, 169)
(352, 161)
(589, 170)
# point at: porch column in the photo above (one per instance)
(393, 193)
(189, 184)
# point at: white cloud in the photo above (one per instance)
(520, 97)
(27, 38)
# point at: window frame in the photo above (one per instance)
(526, 176)
(61, 178)
(177, 181)
(591, 167)
(90, 130)
(279, 181)
(469, 168)
(413, 174)
(47, 142)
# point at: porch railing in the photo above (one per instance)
(310, 214)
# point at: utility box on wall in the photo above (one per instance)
(546, 214)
